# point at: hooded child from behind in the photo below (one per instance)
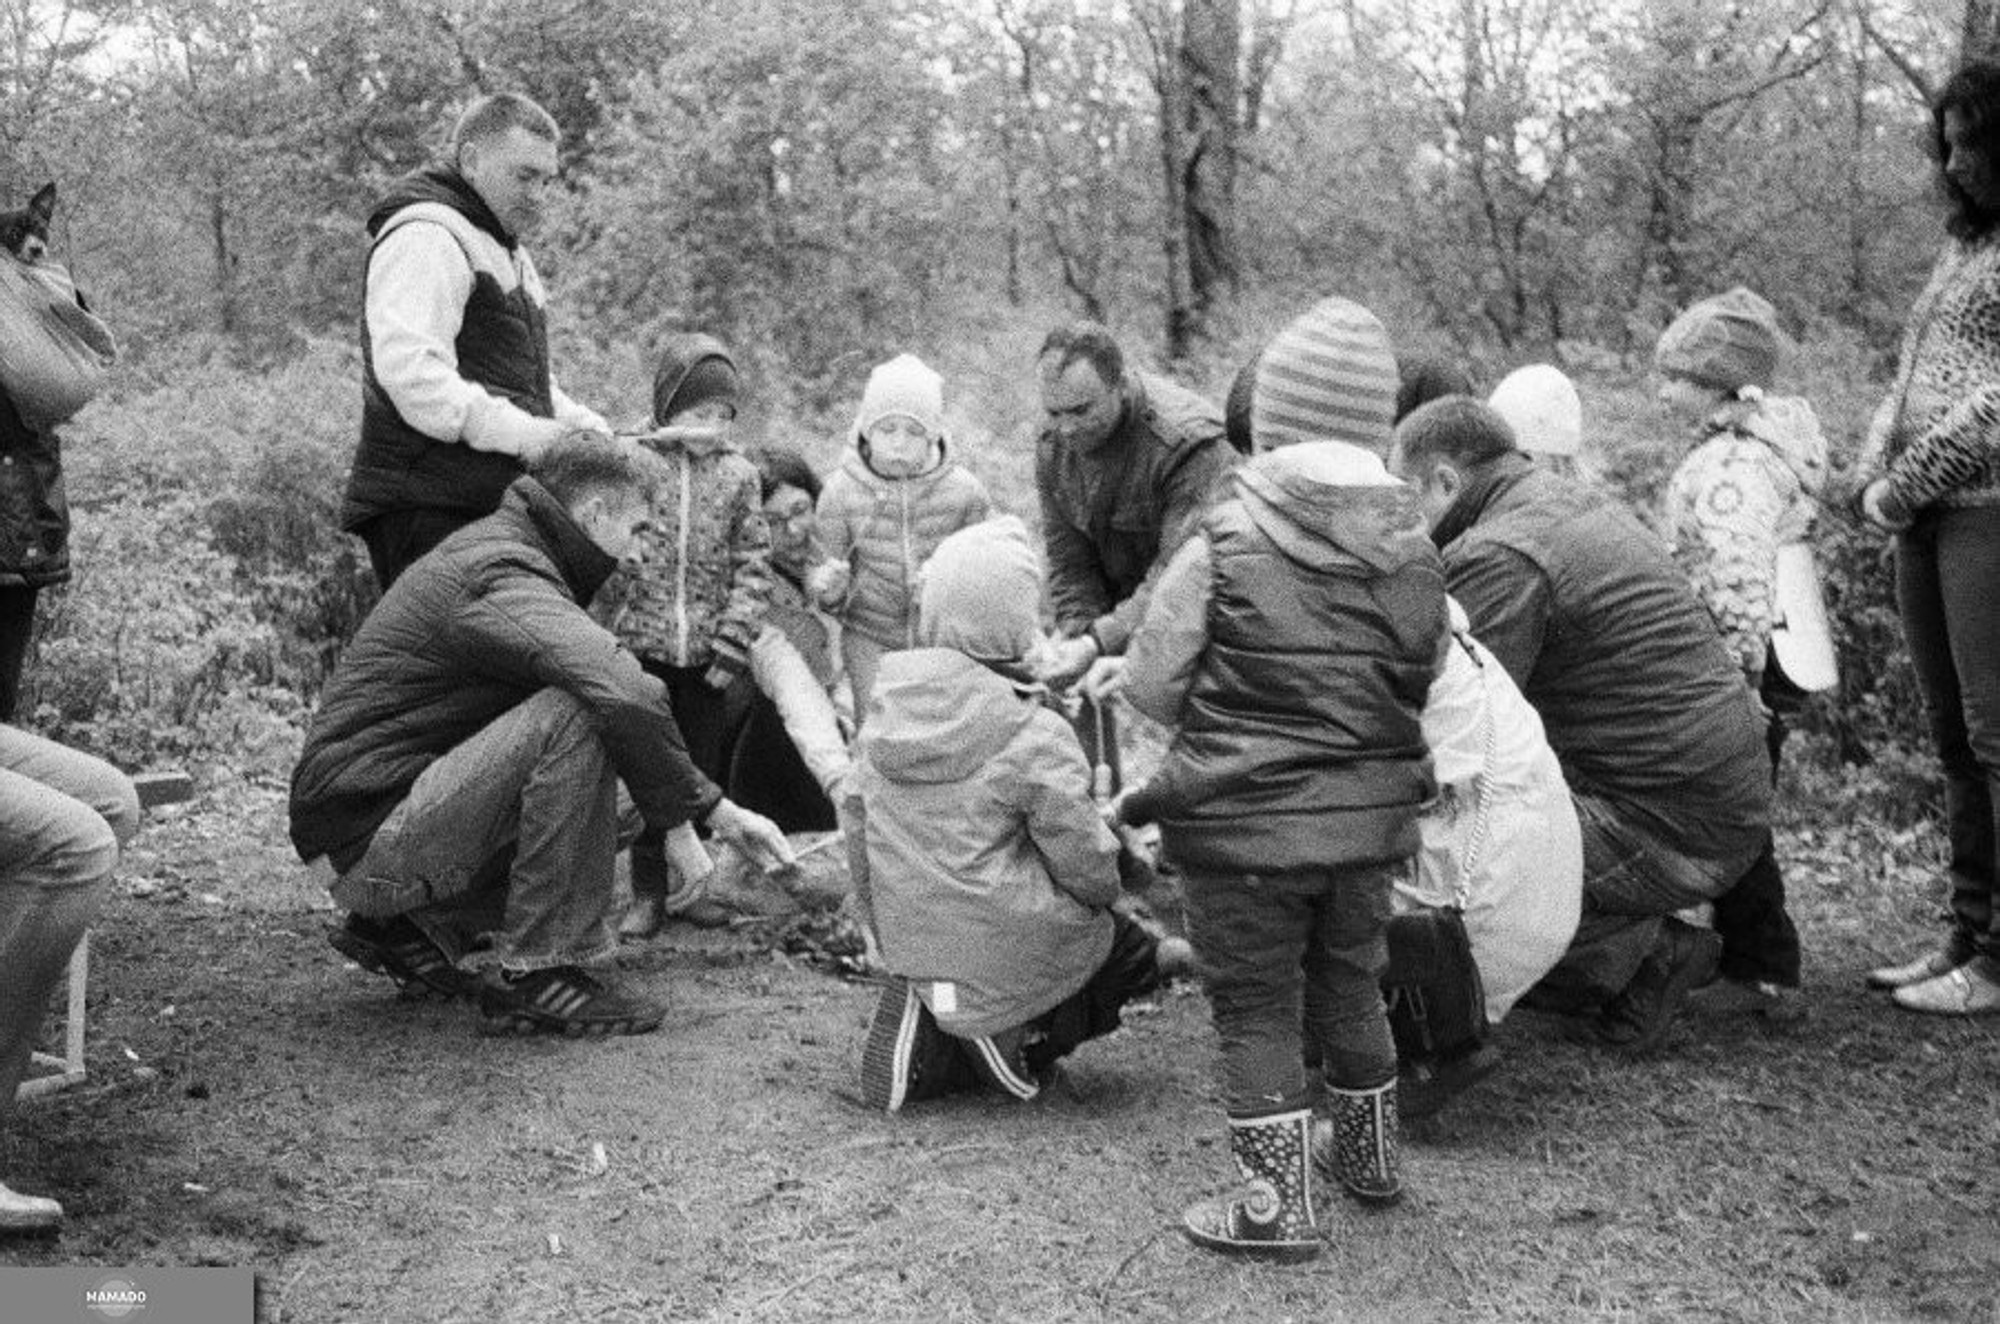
(989, 873)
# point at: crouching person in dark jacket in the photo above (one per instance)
(463, 773)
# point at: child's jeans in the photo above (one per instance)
(1285, 950)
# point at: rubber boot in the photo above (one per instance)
(1358, 1148)
(1271, 1215)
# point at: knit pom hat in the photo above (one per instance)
(1725, 343)
(981, 592)
(1542, 407)
(694, 368)
(904, 385)
(1329, 376)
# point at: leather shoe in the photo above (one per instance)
(1970, 990)
(27, 1213)
(1928, 966)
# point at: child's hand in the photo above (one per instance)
(830, 582)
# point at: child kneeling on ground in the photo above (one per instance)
(1291, 644)
(987, 873)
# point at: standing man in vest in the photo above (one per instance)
(1126, 464)
(456, 397)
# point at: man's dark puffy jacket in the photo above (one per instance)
(491, 617)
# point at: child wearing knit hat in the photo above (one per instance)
(1541, 405)
(1738, 511)
(985, 871)
(897, 494)
(691, 597)
(1291, 645)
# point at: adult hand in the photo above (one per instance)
(541, 437)
(1105, 678)
(1067, 660)
(755, 835)
(1883, 508)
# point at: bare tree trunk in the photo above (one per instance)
(1211, 94)
(227, 313)
(1183, 320)
(1979, 38)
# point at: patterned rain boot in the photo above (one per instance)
(1271, 1215)
(1358, 1148)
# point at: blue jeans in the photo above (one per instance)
(1631, 882)
(63, 817)
(1283, 951)
(1947, 570)
(502, 851)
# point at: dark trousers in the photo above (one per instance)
(1947, 570)
(1283, 951)
(17, 627)
(707, 720)
(767, 776)
(1130, 971)
(1759, 941)
(397, 539)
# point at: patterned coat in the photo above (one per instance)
(1937, 435)
(1746, 490)
(693, 593)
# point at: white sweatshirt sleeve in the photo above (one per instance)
(419, 280)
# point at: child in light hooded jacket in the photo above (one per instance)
(897, 494)
(987, 873)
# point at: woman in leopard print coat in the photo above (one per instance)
(1934, 469)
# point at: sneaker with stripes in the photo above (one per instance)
(561, 1000)
(905, 1056)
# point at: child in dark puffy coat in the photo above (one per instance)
(1291, 645)
(896, 496)
(988, 874)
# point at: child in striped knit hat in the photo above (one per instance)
(1291, 645)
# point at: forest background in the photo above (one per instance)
(827, 182)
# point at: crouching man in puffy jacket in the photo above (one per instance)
(463, 774)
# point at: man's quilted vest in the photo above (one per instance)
(503, 346)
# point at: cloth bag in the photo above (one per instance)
(1432, 988)
(54, 355)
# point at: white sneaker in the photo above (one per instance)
(27, 1213)
(1970, 990)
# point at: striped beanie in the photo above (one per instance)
(1329, 376)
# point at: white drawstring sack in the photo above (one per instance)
(54, 356)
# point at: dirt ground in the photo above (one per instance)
(254, 1101)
